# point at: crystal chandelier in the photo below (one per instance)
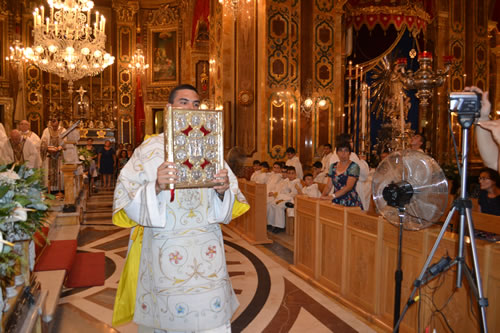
(66, 44)
(138, 63)
(17, 56)
(309, 101)
(235, 5)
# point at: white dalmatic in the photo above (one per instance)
(183, 281)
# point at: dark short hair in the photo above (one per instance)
(255, 162)
(494, 176)
(290, 168)
(327, 145)
(173, 92)
(424, 140)
(278, 163)
(308, 175)
(290, 150)
(264, 165)
(318, 165)
(343, 144)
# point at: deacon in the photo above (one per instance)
(50, 150)
(28, 134)
(181, 281)
(19, 151)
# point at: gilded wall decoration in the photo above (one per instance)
(125, 10)
(125, 128)
(203, 79)
(3, 46)
(282, 129)
(33, 84)
(125, 88)
(35, 122)
(278, 25)
(216, 52)
(165, 15)
(158, 93)
(457, 43)
(323, 51)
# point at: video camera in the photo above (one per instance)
(467, 106)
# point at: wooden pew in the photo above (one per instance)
(351, 255)
(252, 226)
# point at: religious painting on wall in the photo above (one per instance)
(164, 56)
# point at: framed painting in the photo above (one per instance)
(163, 56)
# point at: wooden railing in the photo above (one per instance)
(351, 255)
(252, 226)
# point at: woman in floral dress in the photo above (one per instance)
(343, 176)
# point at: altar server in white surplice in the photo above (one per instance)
(181, 282)
(293, 160)
(276, 209)
(310, 187)
(264, 174)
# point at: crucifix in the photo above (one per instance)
(81, 92)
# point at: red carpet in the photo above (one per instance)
(87, 270)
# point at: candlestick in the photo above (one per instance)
(363, 109)
(402, 113)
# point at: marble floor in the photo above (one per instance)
(272, 299)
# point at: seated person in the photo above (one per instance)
(273, 192)
(256, 170)
(418, 142)
(276, 208)
(489, 194)
(264, 174)
(342, 176)
(318, 174)
(310, 189)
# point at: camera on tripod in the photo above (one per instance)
(466, 105)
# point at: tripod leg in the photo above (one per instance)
(482, 301)
(418, 281)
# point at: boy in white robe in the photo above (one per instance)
(293, 160)
(310, 189)
(182, 282)
(264, 174)
(276, 209)
(256, 170)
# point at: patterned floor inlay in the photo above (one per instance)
(272, 299)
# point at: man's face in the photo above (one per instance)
(289, 155)
(291, 174)
(90, 142)
(309, 180)
(24, 126)
(276, 168)
(257, 167)
(326, 150)
(186, 99)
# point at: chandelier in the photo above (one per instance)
(138, 63)
(65, 44)
(17, 56)
(235, 5)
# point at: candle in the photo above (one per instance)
(43, 11)
(350, 69)
(34, 19)
(88, 16)
(52, 14)
(96, 18)
(47, 27)
(402, 113)
(55, 28)
(363, 109)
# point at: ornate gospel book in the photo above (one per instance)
(194, 142)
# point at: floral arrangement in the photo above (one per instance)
(22, 208)
(86, 156)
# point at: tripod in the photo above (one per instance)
(463, 205)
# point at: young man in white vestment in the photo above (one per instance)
(182, 280)
(264, 174)
(276, 209)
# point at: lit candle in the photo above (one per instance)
(350, 69)
(34, 19)
(96, 17)
(43, 12)
(402, 113)
(363, 108)
(51, 14)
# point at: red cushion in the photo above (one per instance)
(60, 254)
(40, 238)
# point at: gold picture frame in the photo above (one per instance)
(163, 56)
(194, 141)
